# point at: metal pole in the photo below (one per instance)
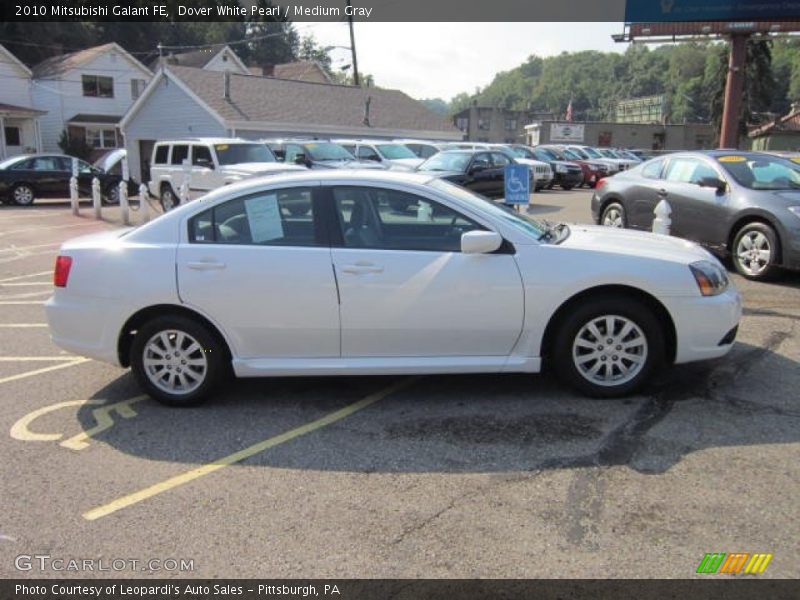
(96, 197)
(729, 136)
(353, 47)
(73, 188)
(144, 203)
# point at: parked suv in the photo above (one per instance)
(212, 163)
(390, 154)
(319, 154)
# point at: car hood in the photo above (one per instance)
(442, 174)
(408, 164)
(565, 163)
(613, 240)
(347, 164)
(260, 168)
(531, 162)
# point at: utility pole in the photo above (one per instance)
(729, 136)
(353, 46)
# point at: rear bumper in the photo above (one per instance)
(705, 326)
(82, 327)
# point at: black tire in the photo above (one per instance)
(210, 350)
(609, 211)
(749, 262)
(567, 187)
(22, 194)
(566, 353)
(168, 198)
(111, 197)
(550, 185)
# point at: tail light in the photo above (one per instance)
(600, 183)
(61, 274)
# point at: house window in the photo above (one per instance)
(484, 123)
(97, 86)
(137, 87)
(462, 123)
(13, 136)
(511, 124)
(97, 137)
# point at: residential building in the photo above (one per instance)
(184, 102)
(496, 125)
(19, 121)
(87, 93)
(301, 70)
(780, 134)
(689, 136)
(211, 59)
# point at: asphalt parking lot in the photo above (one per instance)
(396, 477)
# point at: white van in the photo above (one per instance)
(209, 163)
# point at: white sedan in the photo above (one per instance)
(316, 274)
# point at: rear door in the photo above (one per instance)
(260, 267)
(642, 194)
(499, 162)
(407, 290)
(481, 177)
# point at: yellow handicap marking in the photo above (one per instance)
(103, 416)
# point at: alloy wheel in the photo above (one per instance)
(609, 350)
(23, 195)
(613, 217)
(175, 362)
(753, 252)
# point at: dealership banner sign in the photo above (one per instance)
(566, 132)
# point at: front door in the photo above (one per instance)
(261, 268)
(405, 287)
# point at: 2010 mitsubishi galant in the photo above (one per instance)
(316, 274)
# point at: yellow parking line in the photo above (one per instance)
(221, 463)
(66, 357)
(21, 325)
(63, 365)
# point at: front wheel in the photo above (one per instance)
(608, 346)
(111, 196)
(22, 195)
(168, 199)
(177, 360)
(755, 251)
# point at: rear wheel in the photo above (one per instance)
(567, 187)
(614, 216)
(608, 346)
(168, 198)
(22, 195)
(177, 360)
(112, 195)
(755, 251)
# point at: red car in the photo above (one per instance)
(592, 171)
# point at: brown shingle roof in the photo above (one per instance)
(790, 122)
(302, 70)
(269, 99)
(197, 58)
(55, 65)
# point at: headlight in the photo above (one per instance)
(795, 210)
(711, 279)
(561, 169)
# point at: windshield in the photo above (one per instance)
(762, 173)
(532, 227)
(327, 151)
(446, 161)
(557, 153)
(237, 154)
(544, 154)
(571, 155)
(591, 152)
(395, 151)
(523, 152)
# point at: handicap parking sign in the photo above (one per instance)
(517, 184)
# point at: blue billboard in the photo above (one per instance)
(655, 11)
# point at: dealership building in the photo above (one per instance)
(650, 136)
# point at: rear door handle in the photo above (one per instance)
(205, 265)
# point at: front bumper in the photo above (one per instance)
(704, 326)
(573, 178)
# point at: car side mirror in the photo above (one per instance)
(480, 242)
(300, 159)
(205, 163)
(477, 168)
(713, 182)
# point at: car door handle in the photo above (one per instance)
(205, 265)
(362, 267)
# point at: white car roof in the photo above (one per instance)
(210, 140)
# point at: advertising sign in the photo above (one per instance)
(566, 132)
(654, 11)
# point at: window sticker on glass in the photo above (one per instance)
(731, 159)
(796, 159)
(264, 218)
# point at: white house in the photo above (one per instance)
(19, 121)
(209, 59)
(87, 93)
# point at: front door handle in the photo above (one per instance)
(205, 265)
(362, 267)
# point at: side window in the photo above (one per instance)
(481, 160)
(428, 151)
(500, 160)
(702, 171)
(179, 153)
(83, 166)
(681, 170)
(45, 163)
(351, 148)
(273, 218)
(161, 155)
(367, 153)
(386, 219)
(201, 156)
(652, 170)
(292, 150)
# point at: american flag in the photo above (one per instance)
(568, 116)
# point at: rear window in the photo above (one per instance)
(179, 154)
(161, 155)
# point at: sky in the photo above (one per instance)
(440, 60)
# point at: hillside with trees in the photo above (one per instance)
(691, 76)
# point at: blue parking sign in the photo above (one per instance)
(517, 184)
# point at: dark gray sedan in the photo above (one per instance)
(742, 204)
